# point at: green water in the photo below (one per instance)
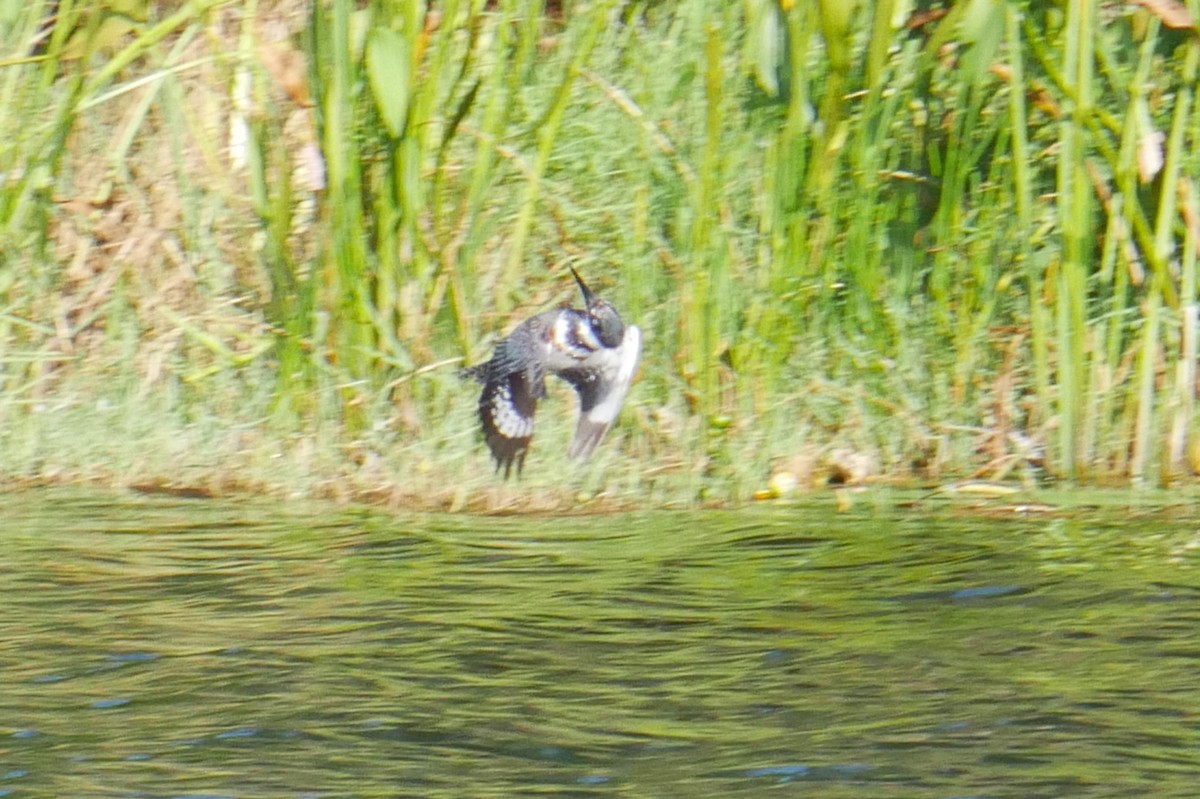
(171, 648)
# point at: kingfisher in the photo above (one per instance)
(592, 349)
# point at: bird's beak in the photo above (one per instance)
(588, 297)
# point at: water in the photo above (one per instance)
(171, 648)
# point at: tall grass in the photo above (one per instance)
(952, 244)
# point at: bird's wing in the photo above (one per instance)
(513, 353)
(506, 409)
(602, 385)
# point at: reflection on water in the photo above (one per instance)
(166, 648)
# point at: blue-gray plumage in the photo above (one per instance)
(592, 349)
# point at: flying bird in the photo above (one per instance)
(592, 349)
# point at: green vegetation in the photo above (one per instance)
(246, 244)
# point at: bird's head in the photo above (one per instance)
(604, 318)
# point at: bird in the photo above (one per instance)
(590, 348)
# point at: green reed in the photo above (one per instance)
(940, 242)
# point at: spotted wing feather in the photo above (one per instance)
(513, 382)
(506, 408)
